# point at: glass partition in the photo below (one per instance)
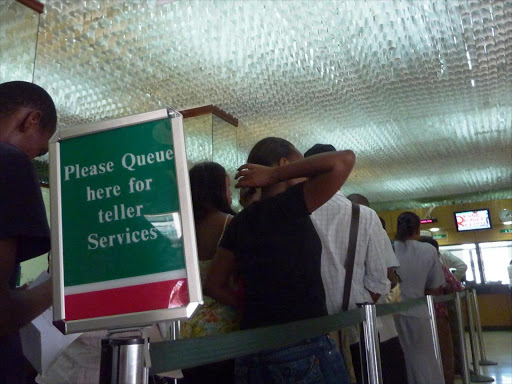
(18, 40)
(211, 138)
(198, 138)
(224, 141)
(467, 253)
(496, 257)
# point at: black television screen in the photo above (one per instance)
(473, 220)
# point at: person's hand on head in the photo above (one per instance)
(254, 175)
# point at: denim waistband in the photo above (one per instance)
(319, 342)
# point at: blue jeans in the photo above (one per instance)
(315, 360)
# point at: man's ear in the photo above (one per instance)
(31, 122)
(283, 161)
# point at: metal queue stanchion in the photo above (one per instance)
(371, 349)
(466, 375)
(433, 329)
(175, 335)
(476, 375)
(478, 325)
(252, 341)
(124, 359)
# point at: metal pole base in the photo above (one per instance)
(122, 360)
(487, 362)
(481, 378)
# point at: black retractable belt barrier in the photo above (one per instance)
(186, 353)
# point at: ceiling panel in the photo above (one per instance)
(18, 36)
(420, 90)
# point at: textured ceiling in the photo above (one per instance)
(420, 90)
(18, 37)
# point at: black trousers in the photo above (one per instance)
(217, 373)
(392, 362)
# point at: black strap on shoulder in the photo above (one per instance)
(351, 255)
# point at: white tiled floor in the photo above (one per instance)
(498, 347)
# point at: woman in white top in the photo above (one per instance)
(421, 273)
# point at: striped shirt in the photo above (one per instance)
(374, 254)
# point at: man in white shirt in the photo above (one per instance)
(374, 255)
(454, 264)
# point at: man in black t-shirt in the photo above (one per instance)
(27, 121)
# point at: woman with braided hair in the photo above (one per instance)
(421, 273)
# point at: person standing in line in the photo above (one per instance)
(211, 200)
(373, 258)
(454, 263)
(28, 119)
(274, 246)
(442, 318)
(420, 273)
(392, 354)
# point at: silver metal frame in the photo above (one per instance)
(466, 378)
(476, 375)
(478, 326)
(433, 330)
(371, 345)
(138, 319)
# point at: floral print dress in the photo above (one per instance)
(452, 285)
(212, 318)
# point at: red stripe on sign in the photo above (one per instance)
(119, 301)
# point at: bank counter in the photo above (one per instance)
(495, 304)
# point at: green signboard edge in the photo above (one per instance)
(140, 319)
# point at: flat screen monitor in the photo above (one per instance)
(473, 220)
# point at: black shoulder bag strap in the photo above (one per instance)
(351, 255)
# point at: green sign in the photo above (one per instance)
(112, 184)
(123, 236)
(439, 236)
(508, 230)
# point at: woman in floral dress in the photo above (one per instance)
(211, 199)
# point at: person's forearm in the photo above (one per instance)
(314, 165)
(392, 277)
(22, 306)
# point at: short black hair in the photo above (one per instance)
(208, 187)
(319, 148)
(18, 94)
(359, 199)
(270, 150)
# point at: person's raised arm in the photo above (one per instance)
(326, 173)
(18, 307)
